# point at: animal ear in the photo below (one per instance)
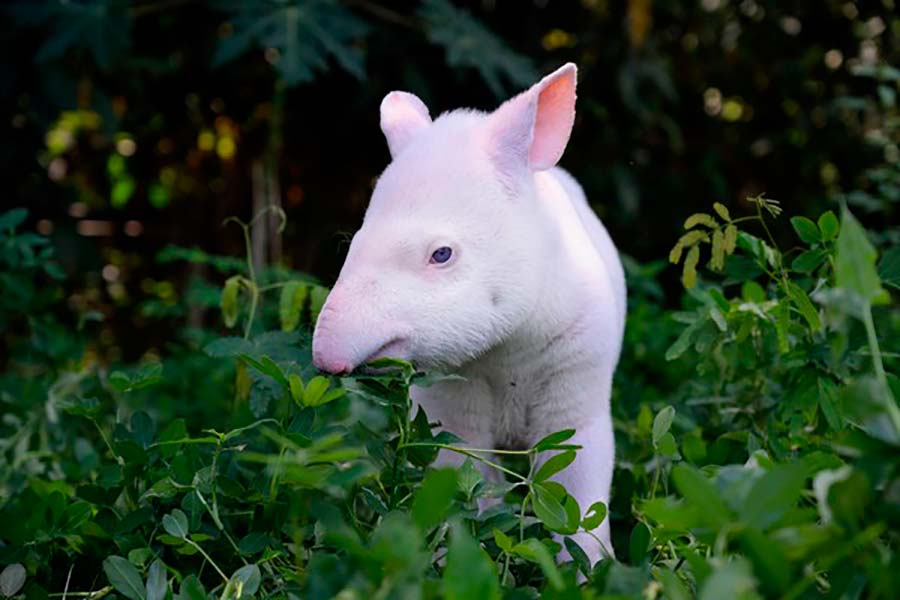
(403, 116)
(533, 128)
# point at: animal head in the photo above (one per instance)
(452, 250)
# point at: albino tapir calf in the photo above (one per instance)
(479, 257)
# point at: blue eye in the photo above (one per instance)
(441, 255)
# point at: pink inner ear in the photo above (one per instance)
(554, 119)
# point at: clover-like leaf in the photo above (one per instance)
(176, 524)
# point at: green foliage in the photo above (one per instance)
(757, 424)
(303, 33)
(468, 43)
(769, 472)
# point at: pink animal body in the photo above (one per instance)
(479, 257)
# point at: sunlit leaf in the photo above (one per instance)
(229, 302)
(700, 219)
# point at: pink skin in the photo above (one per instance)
(340, 350)
(529, 310)
(449, 185)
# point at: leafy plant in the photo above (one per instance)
(771, 472)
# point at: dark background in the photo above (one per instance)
(109, 108)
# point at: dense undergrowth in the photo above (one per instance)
(757, 428)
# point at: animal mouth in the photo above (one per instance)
(393, 349)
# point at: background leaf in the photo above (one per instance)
(470, 573)
(124, 577)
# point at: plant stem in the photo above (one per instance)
(207, 557)
(254, 301)
(92, 595)
(522, 516)
(875, 350)
(466, 452)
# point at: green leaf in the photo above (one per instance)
(157, 585)
(552, 441)
(808, 261)
(13, 218)
(124, 577)
(700, 219)
(692, 238)
(733, 579)
(672, 585)
(554, 465)
(806, 230)
(315, 390)
(770, 564)
(176, 524)
(717, 297)
(503, 541)
(229, 301)
(469, 478)
(827, 402)
(469, 44)
(689, 270)
(243, 583)
(304, 34)
(191, 589)
(829, 226)
(639, 543)
(722, 211)
(804, 305)
(102, 27)
(717, 260)
(731, 236)
(13, 576)
(753, 292)
(434, 498)
(685, 338)
(595, 515)
(317, 296)
(533, 550)
(889, 267)
(718, 318)
(142, 428)
(267, 366)
(470, 573)
(293, 296)
(855, 261)
(295, 385)
(119, 381)
(662, 422)
(782, 314)
(675, 253)
(228, 347)
(701, 493)
(773, 494)
(579, 556)
(667, 445)
(548, 508)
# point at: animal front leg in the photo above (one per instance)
(461, 408)
(588, 480)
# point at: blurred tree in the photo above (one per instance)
(137, 124)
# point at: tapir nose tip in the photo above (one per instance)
(324, 358)
(329, 364)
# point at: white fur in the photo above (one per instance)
(530, 309)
